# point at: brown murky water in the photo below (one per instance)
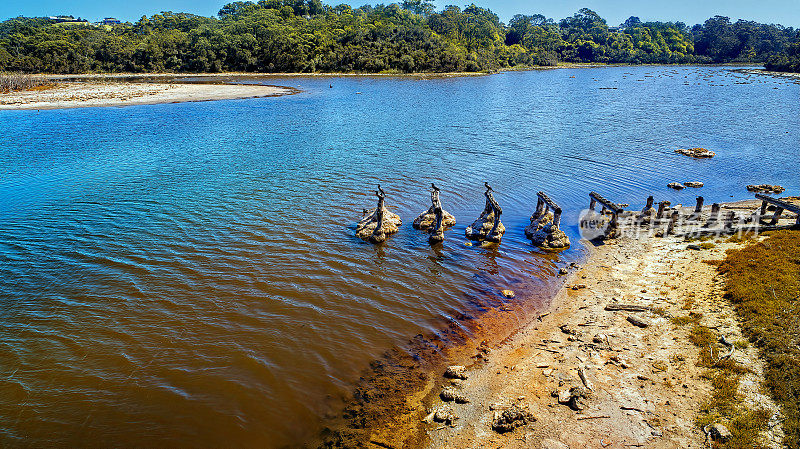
(187, 275)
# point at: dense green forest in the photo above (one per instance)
(309, 36)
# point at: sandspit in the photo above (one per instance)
(63, 95)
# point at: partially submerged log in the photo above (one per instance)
(427, 219)
(488, 226)
(379, 222)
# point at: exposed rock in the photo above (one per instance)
(508, 293)
(456, 372)
(720, 433)
(693, 184)
(379, 222)
(675, 185)
(766, 188)
(550, 237)
(562, 271)
(572, 397)
(488, 226)
(511, 418)
(694, 247)
(578, 286)
(445, 415)
(427, 219)
(449, 394)
(699, 153)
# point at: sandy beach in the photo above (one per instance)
(612, 362)
(94, 93)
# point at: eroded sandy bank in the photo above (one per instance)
(63, 95)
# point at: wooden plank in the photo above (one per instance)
(780, 203)
(616, 208)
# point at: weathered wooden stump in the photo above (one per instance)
(436, 232)
(488, 226)
(427, 219)
(544, 230)
(379, 222)
(648, 213)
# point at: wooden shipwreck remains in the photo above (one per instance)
(544, 230)
(608, 207)
(488, 226)
(379, 222)
(780, 206)
(427, 219)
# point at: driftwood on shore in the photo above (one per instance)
(488, 226)
(379, 222)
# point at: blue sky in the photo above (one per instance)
(786, 12)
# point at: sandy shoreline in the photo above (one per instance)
(647, 384)
(64, 95)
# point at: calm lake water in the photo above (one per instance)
(186, 275)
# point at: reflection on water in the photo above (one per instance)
(187, 274)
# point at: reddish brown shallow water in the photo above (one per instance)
(186, 275)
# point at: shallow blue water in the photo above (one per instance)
(187, 274)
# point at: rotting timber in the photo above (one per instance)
(379, 222)
(435, 220)
(488, 226)
(544, 230)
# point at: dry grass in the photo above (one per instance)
(763, 283)
(11, 82)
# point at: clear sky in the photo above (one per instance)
(786, 12)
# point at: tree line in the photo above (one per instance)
(412, 36)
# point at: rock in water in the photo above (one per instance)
(488, 226)
(379, 222)
(550, 237)
(699, 153)
(693, 184)
(427, 219)
(675, 185)
(765, 188)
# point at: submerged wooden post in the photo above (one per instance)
(544, 234)
(436, 233)
(491, 214)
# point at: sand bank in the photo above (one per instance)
(61, 95)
